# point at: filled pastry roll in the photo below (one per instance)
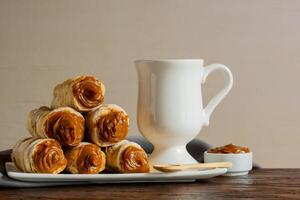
(107, 125)
(126, 157)
(63, 124)
(34, 155)
(82, 93)
(86, 158)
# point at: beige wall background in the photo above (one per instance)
(45, 42)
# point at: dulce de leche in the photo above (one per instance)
(229, 148)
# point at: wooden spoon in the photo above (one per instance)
(181, 167)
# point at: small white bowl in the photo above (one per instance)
(241, 162)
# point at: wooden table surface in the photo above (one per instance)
(260, 184)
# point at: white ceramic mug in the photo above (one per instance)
(170, 111)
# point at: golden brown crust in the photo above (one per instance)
(82, 93)
(107, 125)
(63, 124)
(126, 157)
(86, 158)
(134, 160)
(36, 155)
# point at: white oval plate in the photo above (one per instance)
(180, 176)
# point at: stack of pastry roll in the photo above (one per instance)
(78, 134)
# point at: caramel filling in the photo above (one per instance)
(90, 160)
(66, 127)
(230, 148)
(134, 160)
(88, 92)
(113, 127)
(49, 157)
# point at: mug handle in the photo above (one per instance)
(222, 93)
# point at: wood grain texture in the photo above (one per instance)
(259, 184)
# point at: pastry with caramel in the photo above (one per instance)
(83, 93)
(86, 158)
(63, 124)
(34, 155)
(107, 125)
(126, 157)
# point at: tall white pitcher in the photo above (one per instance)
(170, 110)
